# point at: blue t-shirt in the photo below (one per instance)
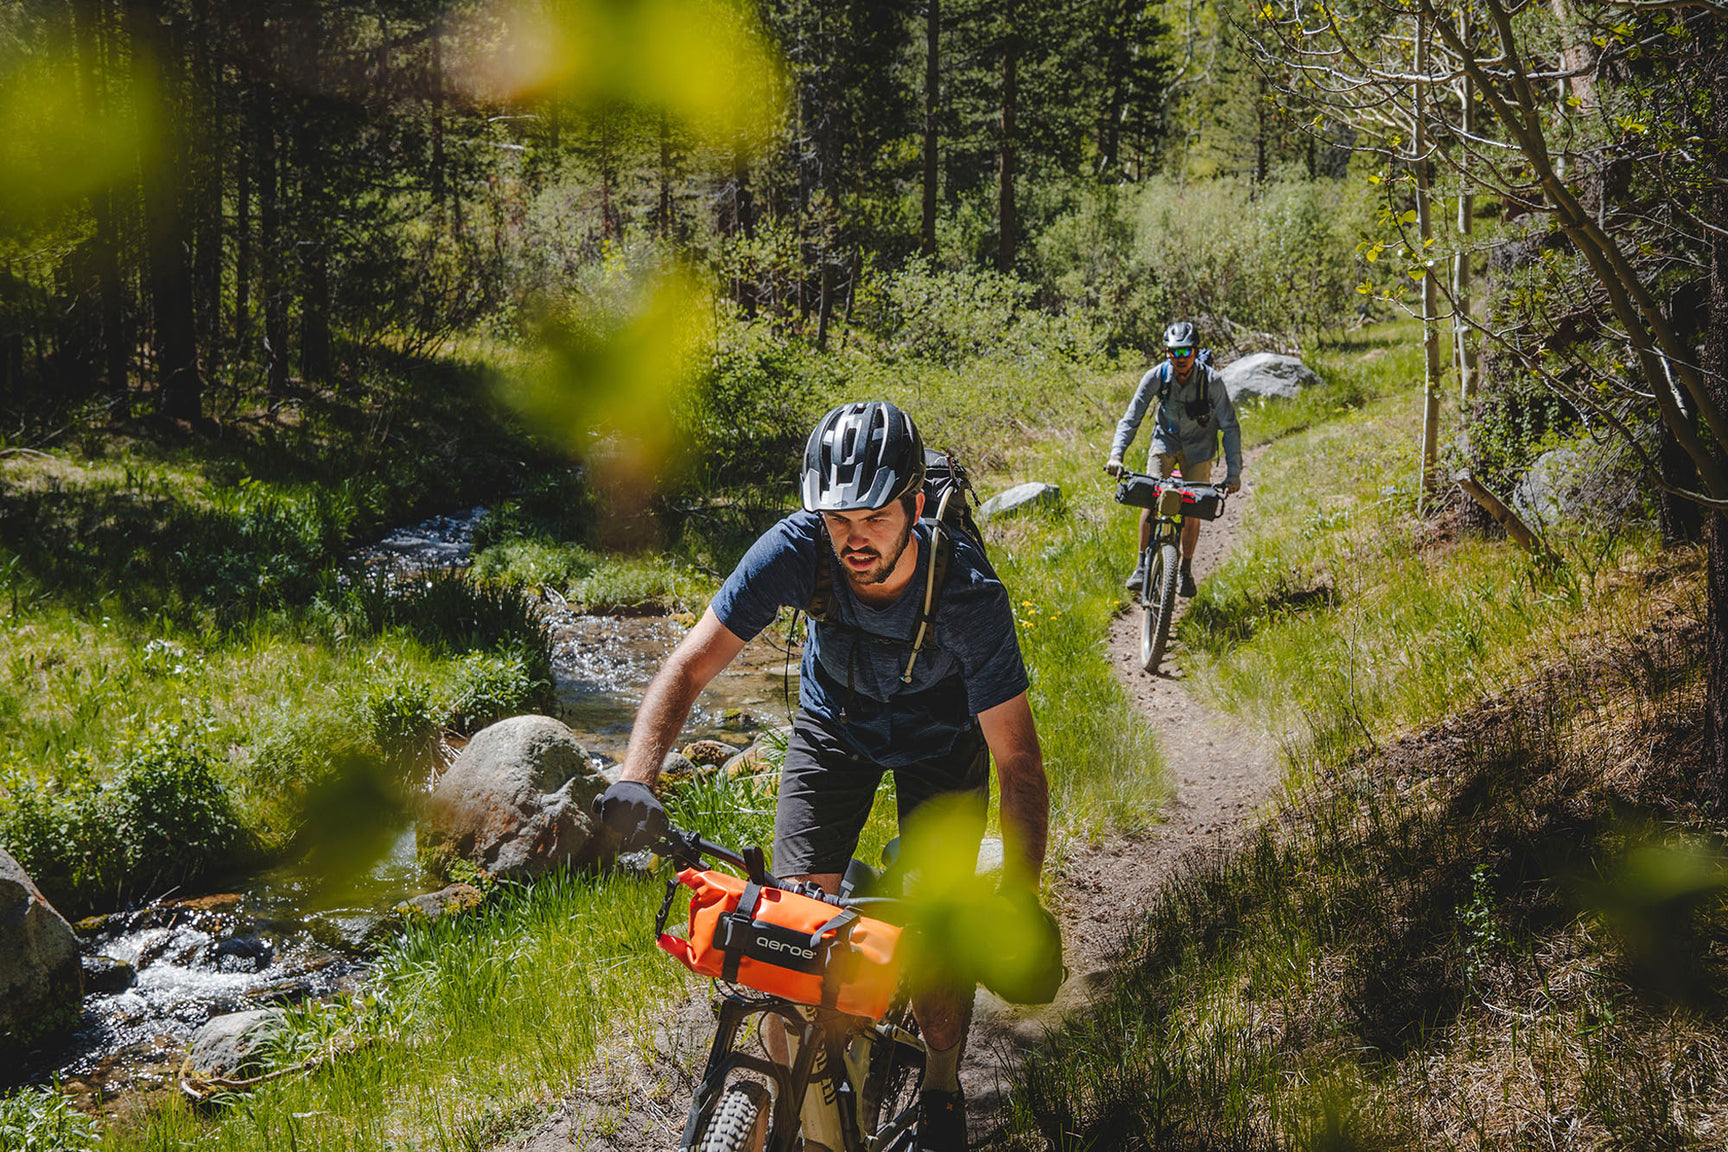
(850, 676)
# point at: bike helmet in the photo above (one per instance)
(1180, 335)
(862, 455)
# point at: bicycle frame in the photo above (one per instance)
(834, 1032)
(817, 1030)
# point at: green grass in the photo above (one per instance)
(467, 1028)
(1507, 929)
(1339, 618)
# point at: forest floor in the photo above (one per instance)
(635, 1094)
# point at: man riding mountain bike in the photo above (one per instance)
(934, 721)
(1193, 408)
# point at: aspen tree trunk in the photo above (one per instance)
(1430, 326)
(1463, 352)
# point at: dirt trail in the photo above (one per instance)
(1221, 772)
(634, 1098)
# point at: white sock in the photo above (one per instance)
(942, 1069)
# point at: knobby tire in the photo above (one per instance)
(1158, 597)
(740, 1121)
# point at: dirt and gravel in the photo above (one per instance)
(1221, 773)
(634, 1096)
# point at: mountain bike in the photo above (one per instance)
(1172, 501)
(868, 1071)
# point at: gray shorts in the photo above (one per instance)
(826, 793)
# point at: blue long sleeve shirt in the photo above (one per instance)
(1188, 420)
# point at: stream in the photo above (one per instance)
(271, 941)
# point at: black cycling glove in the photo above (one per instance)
(1026, 966)
(631, 810)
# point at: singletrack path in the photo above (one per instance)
(634, 1096)
(1221, 773)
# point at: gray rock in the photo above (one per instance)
(41, 982)
(234, 1045)
(518, 802)
(749, 762)
(1032, 494)
(1583, 484)
(449, 901)
(677, 766)
(104, 974)
(990, 857)
(1266, 374)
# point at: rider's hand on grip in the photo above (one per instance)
(1027, 967)
(1114, 466)
(1232, 486)
(630, 809)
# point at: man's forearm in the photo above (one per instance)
(1025, 817)
(665, 707)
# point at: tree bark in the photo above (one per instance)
(1714, 779)
(116, 341)
(270, 256)
(1463, 351)
(1430, 303)
(168, 226)
(204, 99)
(932, 83)
(1006, 170)
(1519, 532)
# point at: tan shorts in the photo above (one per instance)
(1200, 473)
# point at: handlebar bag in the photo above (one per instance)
(1168, 498)
(785, 944)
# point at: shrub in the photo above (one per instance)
(452, 614)
(951, 318)
(398, 714)
(163, 820)
(172, 815)
(491, 686)
(554, 505)
(747, 416)
(533, 563)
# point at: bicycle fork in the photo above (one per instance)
(832, 1119)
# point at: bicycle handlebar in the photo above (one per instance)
(1176, 482)
(688, 849)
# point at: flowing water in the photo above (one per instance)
(278, 938)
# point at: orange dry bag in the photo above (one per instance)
(785, 944)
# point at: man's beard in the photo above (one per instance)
(883, 568)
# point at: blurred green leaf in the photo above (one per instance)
(611, 365)
(704, 63)
(56, 144)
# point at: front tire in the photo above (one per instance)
(1159, 604)
(740, 1122)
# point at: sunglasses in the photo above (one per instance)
(1181, 353)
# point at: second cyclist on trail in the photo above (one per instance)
(862, 709)
(1193, 408)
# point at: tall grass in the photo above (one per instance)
(1459, 943)
(467, 1028)
(1339, 617)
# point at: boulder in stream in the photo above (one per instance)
(448, 901)
(41, 982)
(517, 802)
(233, 1046)
(104, 974)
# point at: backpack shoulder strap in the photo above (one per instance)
(823, 605)
(942, 551)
